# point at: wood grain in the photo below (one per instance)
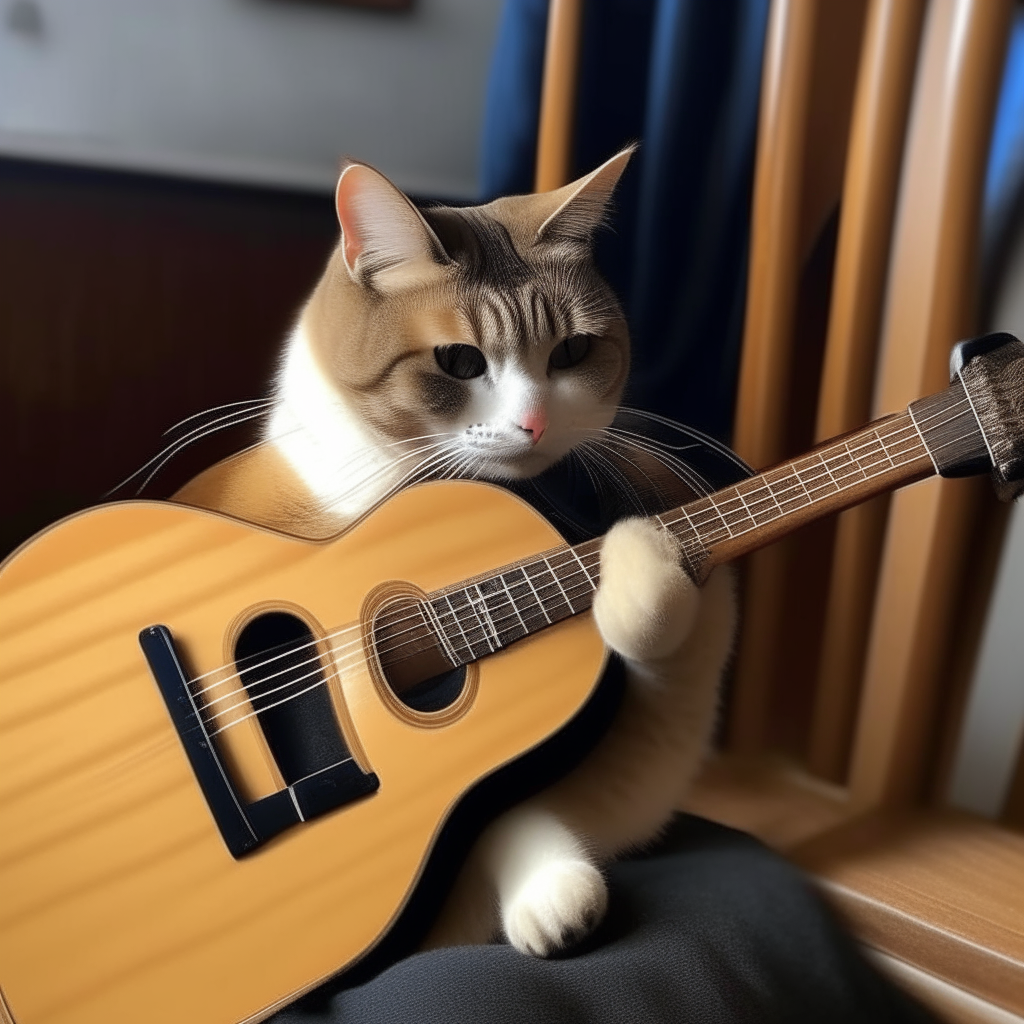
(118, 889)
(942, 891)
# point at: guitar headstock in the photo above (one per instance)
(992, 371)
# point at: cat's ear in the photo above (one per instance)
(385, 242)
(575, 211)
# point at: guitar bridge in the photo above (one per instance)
(244, 825)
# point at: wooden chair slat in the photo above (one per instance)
(558, 94)
(930, 304)
(808, 82)
(877, 132)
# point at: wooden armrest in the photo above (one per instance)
(942, 891)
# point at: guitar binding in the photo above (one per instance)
(244, 826)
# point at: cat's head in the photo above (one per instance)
(486, 329)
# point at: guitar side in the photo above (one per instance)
(118, 896)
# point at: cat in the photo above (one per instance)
(483, 342)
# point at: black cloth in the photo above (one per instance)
(709, 927)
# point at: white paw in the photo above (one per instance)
(556, 906)
(645, 604)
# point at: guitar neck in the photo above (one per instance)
(936, 434)
(843, 472)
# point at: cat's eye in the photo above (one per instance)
(461, 361)
(569, 352)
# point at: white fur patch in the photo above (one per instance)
(557, 905)
(551, 893)
(326, 443)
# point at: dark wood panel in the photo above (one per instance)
(127, 303)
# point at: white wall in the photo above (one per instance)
(993, 728)
(251, 90)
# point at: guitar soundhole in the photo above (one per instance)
(436, 693)
(280, 666)
(414, 664)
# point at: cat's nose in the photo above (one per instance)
(534, 422)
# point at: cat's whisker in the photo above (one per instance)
(678, 467)
(577, 453)
(175, 447)
(179, 446)
(251, 402)
(429, 453)
(614, 475)
(697, 435)
(632, 434)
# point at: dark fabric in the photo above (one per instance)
(683, 77)
(709, 928)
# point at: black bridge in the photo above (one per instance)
(245, 826)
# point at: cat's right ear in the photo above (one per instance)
(385, 242)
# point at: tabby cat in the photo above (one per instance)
(482, 342)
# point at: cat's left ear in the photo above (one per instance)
(385, 241)
(575, 211)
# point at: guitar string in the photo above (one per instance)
(421, 627)
(343, 665)
(769, 486)
(345, 660)
(419, 617)
(331, 674)
(339, 669)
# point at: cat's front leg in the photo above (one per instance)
(550, 891)
(645, 604)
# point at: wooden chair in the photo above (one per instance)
(859, 634)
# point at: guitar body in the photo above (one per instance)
(119, 899)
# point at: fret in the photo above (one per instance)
(515, 607)
(590, 579)
(750, 505)
(774, 496)
(483, 613)
(825, 465)
(741, 511)
(800, 480)
(786, 488)
(856, 459)
(536, 596)
(467, 629)
(713, 505)
(450, 653)
(561, 589)
(527, 607)
(565, 573)
(817, 476)
(885, 450)
(476, 626)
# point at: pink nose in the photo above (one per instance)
(534, 422)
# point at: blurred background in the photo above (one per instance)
(166, 169)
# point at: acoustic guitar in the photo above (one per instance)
(227, 754)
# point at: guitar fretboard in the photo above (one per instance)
(479, 618)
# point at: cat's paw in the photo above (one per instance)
(557, 905)
(645, 604)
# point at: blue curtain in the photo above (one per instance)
(1003, 216)
(683, 77)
